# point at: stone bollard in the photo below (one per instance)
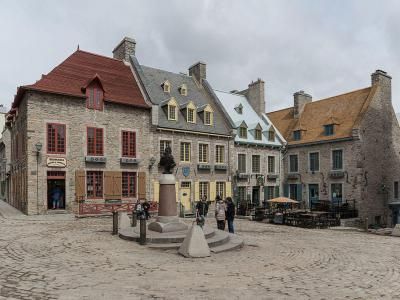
(142, 237)
(115, 222)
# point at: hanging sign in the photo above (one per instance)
(56, 162)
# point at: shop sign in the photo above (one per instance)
(56, 162)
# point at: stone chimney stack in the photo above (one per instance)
(198, 71)
(125, 49)
(382, 79)
(256, 95)
(300, 101)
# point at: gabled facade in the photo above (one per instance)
(256, 152)
(344, 151)
(83, 128)
(185, 118)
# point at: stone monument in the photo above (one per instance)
(167, 220)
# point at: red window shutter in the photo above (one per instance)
(99, 141)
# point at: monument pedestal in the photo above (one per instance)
(167, 220)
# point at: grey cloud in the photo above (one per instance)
(323, 47)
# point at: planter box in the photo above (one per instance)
(95, 159)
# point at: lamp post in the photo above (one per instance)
(38, 147)
(152, 161)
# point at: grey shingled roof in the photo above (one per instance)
(152, 79)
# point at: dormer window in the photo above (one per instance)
(258, 134)
(243, 132)
(297, 135)
(172, 110)
(166, 86)
(190, 112)
(271, 136)
(183, 90)
(94, 98)
(190, 115)
(208, 118)
(329, 129)
(94, 93)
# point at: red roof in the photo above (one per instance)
(72, 76)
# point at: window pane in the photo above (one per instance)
(271, 164)
(314, 161)
(242, 163)
(255, 163)
(90, 141)
(293, 163)
(337, 159)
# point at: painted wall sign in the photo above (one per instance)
(56, 162)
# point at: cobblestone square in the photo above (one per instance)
(58, 257)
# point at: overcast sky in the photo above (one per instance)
(323, 47)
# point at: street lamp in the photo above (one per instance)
(152, 162)
(38, 147)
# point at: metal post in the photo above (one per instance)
(134, 218)
(115, 222)
(366, 224)
(142, 238)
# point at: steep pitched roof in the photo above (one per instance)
(75, 73)
(249, 117)
(152, 79)
(344, 111)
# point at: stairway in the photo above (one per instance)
(218, 240)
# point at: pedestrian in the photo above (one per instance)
(220, 208)
(146, 208)
(56, 195)
(230, 214)
(201, 211)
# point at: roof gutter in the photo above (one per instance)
(193, 132)
(321, 142)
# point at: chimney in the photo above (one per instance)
(300, 101)
(382, 79)
(198, 71)
(256, 96)
(125, 49)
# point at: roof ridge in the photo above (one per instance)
(157, 69)
(99, 55)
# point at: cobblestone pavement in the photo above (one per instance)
(80, 259)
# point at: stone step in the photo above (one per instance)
(235, 242)
(219, 238)
(132, 234)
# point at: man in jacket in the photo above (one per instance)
(230, 213)
(201, 211)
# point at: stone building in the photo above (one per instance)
(343, 150)
(185, 118)
(256, 151)
(84, 129)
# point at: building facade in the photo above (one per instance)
(339, 151)
(256, 151)
(186, 119)
(88, 137)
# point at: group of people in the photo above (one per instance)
(224, 212)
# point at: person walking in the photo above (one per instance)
(220, 208)
(57, 196)
(230, 214)
(201, 211)
(146, 208)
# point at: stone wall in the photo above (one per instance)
(352, 180)
(264, 152)
(195, 175)
(49, 108)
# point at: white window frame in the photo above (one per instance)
(198, 152)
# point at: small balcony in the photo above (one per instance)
(336, 174)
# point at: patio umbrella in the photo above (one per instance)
(282, 200)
